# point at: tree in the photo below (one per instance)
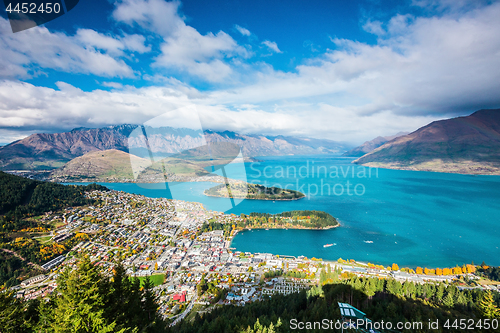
(440, 292)
(488, 307)
(11, 319)
(419, 270)
(259, 328)
(369, 288)
(448, 300)
(395, 267)
(80, 307)
(149, 304)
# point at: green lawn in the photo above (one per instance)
(43, 239)
(194, 310)
(157, 279)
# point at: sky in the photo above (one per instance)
(342, 70)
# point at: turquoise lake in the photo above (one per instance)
(407, 217)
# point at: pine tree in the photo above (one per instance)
(149, 304)
(119, 297)
(11, 318)
(488, 307)
(448, 300)
(45, 316)
(369, 288)
(440, 292)
(80, 306)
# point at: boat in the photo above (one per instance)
(368, 242)
(327, 245)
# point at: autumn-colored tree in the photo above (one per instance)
(419, 270)
(427, 271)
(439, 271)
(395, 267)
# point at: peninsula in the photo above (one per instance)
(295, 219)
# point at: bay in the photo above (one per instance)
(407, 217)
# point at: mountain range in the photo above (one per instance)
(469, 145)
(368, 146)
(49, 151)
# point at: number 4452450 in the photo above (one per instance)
(33, 8)
(471, 324)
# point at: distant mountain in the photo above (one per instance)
(50, 151)
(368, 146)
(469, 145)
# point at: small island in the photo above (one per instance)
(243, 190)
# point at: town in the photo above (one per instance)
(191, 263)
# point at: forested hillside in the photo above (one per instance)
(21, 197)
(21, 202)
(87, 301)
(387, 300)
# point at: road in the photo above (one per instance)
(186, 312)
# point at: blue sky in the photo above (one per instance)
(341, 70)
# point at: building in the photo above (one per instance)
(32, 280)
(180, 297)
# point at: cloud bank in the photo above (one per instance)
(420, 69)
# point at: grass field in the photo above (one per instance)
(44, 239)
(157, 279)
(192, 314)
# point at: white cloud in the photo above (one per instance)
(198, 55)
(450, 6)
(183, 47)
(374, 27)
(272, 46)
(114, 85)
(420, 70)
(158, 16)
(112, 45)
(36, 49)
(243, 31)
(69, 107)
(424, 65)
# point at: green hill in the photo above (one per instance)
(252, 191)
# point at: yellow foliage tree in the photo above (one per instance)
(395, 267)
(439, 271)
(419, 270)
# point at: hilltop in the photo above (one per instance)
(106, 165)
(468, 145)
